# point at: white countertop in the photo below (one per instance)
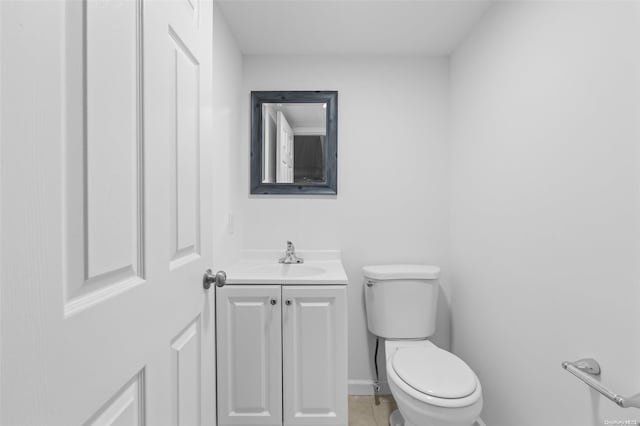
(320, 267)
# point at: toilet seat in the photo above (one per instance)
(433, 371)
(413, 392)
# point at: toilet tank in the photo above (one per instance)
(401, 300)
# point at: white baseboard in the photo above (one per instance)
(366, 387)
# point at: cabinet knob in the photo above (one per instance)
(273, 301)
(288, 302)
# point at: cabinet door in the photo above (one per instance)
(315, 355)
(249, 355)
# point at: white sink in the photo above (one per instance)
(289, 270)
(262, 267)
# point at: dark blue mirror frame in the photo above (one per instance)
(330, 185)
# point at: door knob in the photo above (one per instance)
(274, 301)
(288, 302)
(219, 278)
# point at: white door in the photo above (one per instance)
(284, 153)
(314, 336)
(269, 145)
(106, 213)
(249, 355)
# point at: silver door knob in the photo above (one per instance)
(219, 278)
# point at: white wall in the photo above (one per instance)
(545, 164)
(227, 84)
(392, 189)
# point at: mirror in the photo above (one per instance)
(294, 142)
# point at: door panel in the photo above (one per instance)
(103, 245)
(106, 213)
(185, 171)
(249, 355)
(314, 355)
(126, 408)
(284, 154)
(112, 138)
(187, 375)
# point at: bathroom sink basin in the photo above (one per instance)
(262, 267)
(297, 270)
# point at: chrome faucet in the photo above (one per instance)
(290, 255)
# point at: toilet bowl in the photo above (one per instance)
(431, 386)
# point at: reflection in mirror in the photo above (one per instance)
(293, 142)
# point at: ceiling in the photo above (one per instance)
(305, 115)
(336, 27)
(304, 118)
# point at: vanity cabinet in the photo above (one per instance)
(282, 355)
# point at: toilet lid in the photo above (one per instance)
(434, 372)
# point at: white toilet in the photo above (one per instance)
(431, 386)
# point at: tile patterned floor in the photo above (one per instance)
(370, 410)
